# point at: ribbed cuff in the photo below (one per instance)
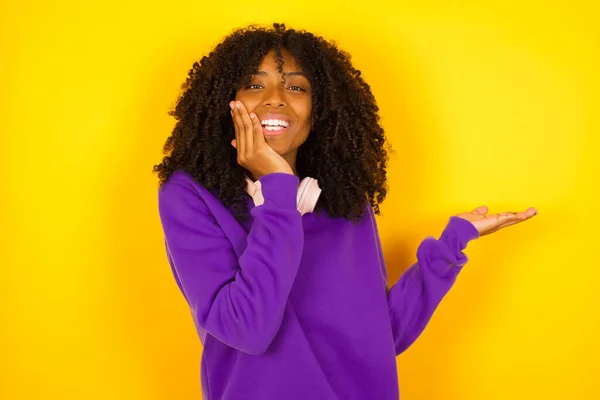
(280, 189)
(458, 233)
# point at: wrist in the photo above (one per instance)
(280, 189)
(257, 175)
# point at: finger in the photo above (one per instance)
(239, 142)
(482, 210)
(259, 138)
(518, 218)
(521, 216)
(247, 131)
(505, 219)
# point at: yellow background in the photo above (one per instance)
(484, 104)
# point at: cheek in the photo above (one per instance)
(307, 114)
(306, 127)
(249, 102)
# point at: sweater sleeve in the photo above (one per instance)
(238, 301)
(420, 289)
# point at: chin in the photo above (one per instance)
(276, 146)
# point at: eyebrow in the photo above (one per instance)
(293, 73)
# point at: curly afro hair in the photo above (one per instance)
(346, 149)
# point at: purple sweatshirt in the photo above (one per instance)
(298, 307)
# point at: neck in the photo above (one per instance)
(291, 160)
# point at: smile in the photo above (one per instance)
(274, 126)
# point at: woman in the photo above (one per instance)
(271, 179)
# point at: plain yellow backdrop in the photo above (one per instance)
(483, 104)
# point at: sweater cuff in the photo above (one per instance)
(280, 189)
(458, 233)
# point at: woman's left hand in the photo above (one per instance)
(487, 224)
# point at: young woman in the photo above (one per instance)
(271, 179)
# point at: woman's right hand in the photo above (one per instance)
(253, 152)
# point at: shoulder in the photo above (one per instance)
(368, 215)
(186, 211)
(178, 179)
(182, 180)
(366, 220)
(183, 193)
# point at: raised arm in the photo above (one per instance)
(414, 298)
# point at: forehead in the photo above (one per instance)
(269, 62)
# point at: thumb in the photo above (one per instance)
(482, 210)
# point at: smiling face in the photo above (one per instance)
(284, 108)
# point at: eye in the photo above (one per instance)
(255, 86)
(297, 88)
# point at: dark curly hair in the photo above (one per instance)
(346, 149)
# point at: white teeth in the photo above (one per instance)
(274, 122)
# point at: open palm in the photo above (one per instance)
(487, 224)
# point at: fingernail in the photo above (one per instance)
(252, 116)
(237, 104)
(231, 105)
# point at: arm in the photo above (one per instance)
(240, 302)
(414, 298)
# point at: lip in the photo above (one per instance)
(278, 132)
(282, 117)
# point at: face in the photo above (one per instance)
(284, 108)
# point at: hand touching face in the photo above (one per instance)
(283, 107)
(253, 153)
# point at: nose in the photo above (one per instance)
(274, 97)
